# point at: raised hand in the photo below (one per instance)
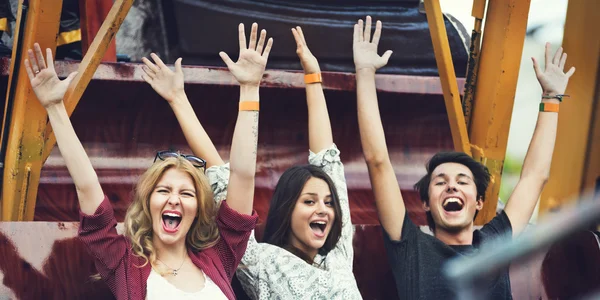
(164, 81)
(44, 81)
(553, 79)
(365, 50)
(250, 66)
(307, 59)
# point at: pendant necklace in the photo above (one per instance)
(174, 270)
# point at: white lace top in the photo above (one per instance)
(158, 288)
(271, 272)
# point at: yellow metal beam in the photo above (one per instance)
(90, 62)
(573, 169)
(23, 159)
(501, 51)
(477, 12)
(443, 58)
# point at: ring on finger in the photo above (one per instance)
(36, 72)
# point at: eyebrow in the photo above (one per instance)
(169, 187)
(315, 194)
(459, 175)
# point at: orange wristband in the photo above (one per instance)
(549, 107)
(249, 106)
(313, 78)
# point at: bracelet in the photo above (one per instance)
(549, 107)
(249, 106)
(558, 96)
(313, 78)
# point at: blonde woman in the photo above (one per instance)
(177, 242)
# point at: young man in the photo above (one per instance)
(453, 189)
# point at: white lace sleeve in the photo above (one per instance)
(218, 178)
(329, 161)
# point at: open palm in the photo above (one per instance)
(46, 85)
(252, 61)
(365, 50)
(167, 83)
(553, 79)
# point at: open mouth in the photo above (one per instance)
(318, 227)
(453, 204)
(171, 221)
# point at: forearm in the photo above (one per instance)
(369, 121)
(319, 125)
(539, 155)
(243, 155)
(197, 138)
(80, 168)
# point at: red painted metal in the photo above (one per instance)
(92, 14)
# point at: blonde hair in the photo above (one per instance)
(203, 233)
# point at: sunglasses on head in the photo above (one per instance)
(196, 161)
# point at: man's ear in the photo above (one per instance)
(479, 204)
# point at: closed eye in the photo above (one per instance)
(463, 183)
(309, 202)
(162, 191)
(188, 194)
(440, 183)
(329, 203)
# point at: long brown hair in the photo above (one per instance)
(283, 202)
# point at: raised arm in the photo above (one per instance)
(50, 92)
(169, 85)
(536, 168)
(388, 198)
(248, 70)
(319, 126)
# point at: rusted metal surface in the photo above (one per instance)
(23, 158)
(132, 72)
(92, 16)
(443, 58)
(90, 63)
(473, 64)
(502, 48)
(576, 159)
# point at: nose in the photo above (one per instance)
(451, 187)
(321, 208)
(174, 200)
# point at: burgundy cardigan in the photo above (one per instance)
(117, 265)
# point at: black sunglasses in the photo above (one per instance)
(196, 161)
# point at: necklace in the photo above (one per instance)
(174, 270)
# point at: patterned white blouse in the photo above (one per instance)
(271, 272)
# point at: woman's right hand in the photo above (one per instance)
(308, 60)
(164, 81)
(45, 83)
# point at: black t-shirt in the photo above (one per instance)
(417, 260)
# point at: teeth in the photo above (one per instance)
(451, 200)
(320, 222)
(172, 215)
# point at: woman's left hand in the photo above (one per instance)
(250, 66)
(308, 60)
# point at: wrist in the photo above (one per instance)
(178, 98)
(312, 71)
(249, 93)
(368, 71)
(54, 105)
